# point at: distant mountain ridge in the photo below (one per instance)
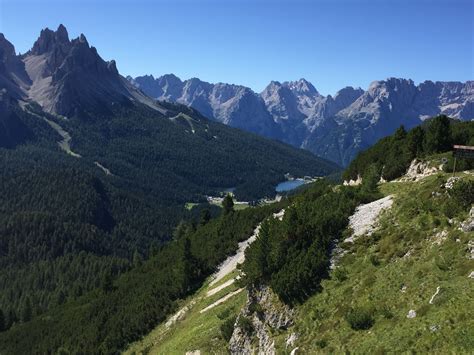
(334, 127)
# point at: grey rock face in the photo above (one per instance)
(468, 225)
(13, 76)
(336, 127)
(274, 315)
(234, 105)
(64, 76)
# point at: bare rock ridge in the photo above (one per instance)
(336, 127)
(65, 76)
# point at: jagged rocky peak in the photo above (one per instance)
(271, 87)
(7, 49)
(48, 39)
(169, 78)
(301, 87)
(391, 85)
(69, 77)
(13, 77)
(347, 96)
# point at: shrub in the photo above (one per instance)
(374, 260)
(227, 328)
(256, 308)
(224, 314)
(360, 318)
(245, 324)
(463, 193)
(340, 274)
(386, 312)
(322, 343)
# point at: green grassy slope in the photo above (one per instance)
(382, 277)
(195, 330)
(396, 270)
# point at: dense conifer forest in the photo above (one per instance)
(121, 309)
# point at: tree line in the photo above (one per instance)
(391, 156)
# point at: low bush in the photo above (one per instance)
(463, 193)
(340, 274)
(360, 318)
(227, 328)
(246, 325)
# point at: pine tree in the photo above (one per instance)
(205, 216)
(3, 323)
(26, 310)
(228, 204)
(370, 179)
(415, 141)
(107, 282)
(438, 135)
(191, 266)
(12, 318)
(137, 258)
(400, 133)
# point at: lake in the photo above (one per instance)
(289, 185)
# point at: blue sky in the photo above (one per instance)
(332, 43)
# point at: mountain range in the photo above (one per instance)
(334, 127)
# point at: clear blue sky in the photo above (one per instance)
(332, 43)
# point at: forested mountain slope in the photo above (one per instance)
(95, 178)
(120, 311)
(325, 279)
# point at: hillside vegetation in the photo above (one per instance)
(69, 222)
(406, 286)
(392, 155)
(417, 260)
(120, 311)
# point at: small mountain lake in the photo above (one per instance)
(289, 185)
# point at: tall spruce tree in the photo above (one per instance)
(438, 135)
(228, 204)
(26, 310)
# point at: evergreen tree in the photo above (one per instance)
(180, 230)
(205, 216)
(60, 297)
(228, 204)
(438, 135)
(137, 259)
(191, 266)
(107, 282)
(400, 134)
(370, 179)
(415, 141)
(3, 323)
(12, 318)
(26, 310)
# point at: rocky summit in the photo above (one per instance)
(335, 127)
(64, 76)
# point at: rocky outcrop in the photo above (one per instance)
(418, 170)
(468, 225)
(265, 312)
